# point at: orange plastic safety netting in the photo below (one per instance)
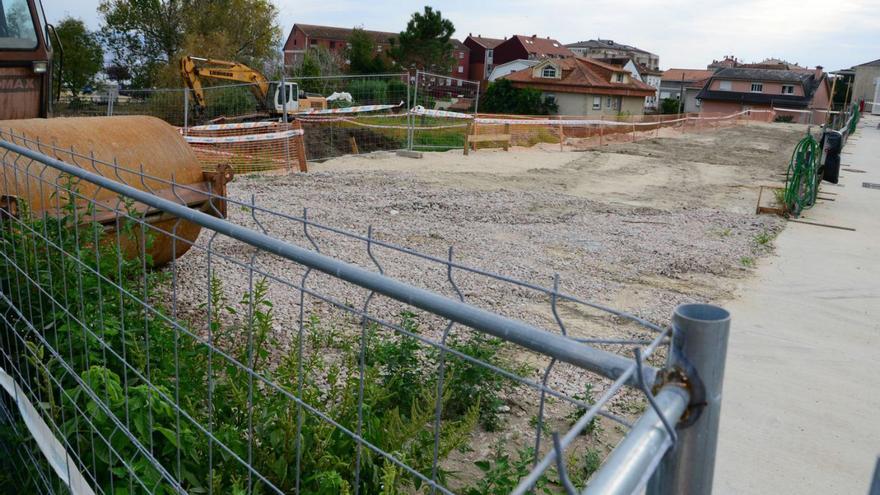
(249, 146)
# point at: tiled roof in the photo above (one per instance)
(338, 33)
(582, 75)
(543, 47)
(677, 75)
(647, 71)
(808, 81)
(600, 43)
(758, 74)
(873, 63)
(621, 61)
(486, 42)
(458, 45)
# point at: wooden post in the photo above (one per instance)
(561, 136)
(507, 131)
(601, 127)
(634, 127)
(467, 135)
(354, 146)
(300, 143)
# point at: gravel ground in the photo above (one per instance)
(634, 257)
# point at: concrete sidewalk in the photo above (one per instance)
(801, 406)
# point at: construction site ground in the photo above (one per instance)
(641, 227)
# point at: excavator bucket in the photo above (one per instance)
(150, 155)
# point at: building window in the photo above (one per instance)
(550, 98)
(597, 103)
(460, 55)
(698, 102)
(618, 77)
(313, 42)
(548, 71)
(787, 89)
(489, 54)
(757, 87)
(607, 102)
(460, 69)
(725, 85)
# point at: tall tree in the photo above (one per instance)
(148, 36)
(83, 56)
(425, 43)
(363, 58)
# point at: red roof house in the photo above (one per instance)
(582, 86)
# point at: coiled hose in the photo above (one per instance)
(854, 119)
(801, 180)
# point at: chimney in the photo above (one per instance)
(818, 72)
(534, 36)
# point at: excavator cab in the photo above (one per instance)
(291, 94)
(25, 60)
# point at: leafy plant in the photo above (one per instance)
(502, 472)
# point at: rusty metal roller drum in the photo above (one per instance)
(132, 142)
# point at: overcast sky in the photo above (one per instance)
(684, 33)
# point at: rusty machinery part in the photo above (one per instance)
(135, 143)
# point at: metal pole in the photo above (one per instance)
(284, 119)
(284, 98)
(409, 116)
(415, 103)
(631, 463)
(185, 109)
(699, 348)
(109, 101)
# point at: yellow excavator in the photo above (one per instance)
(269, 95)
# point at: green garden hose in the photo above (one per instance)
(801, 180)
(854, 119)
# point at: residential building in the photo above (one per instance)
(600, 48)
(743, 88)
(461, 56)
(529, 48)
(504, 69)
(305, 36)
(625, 62)
(865, 83)
(692, 104)
(727, 62)
(641, 72)
(582, 86)
(652, 77)
(673, 81)
(482, 56)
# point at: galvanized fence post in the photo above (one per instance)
(185, 109)
(110, 101)
(699, 349)
(412, 130)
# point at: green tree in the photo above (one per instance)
(362, 55)
(148, 36)
(83, 56)
(425, 43)
(502, 97)
(669, 105)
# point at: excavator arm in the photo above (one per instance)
(194, 68)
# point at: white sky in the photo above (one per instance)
(684, 33)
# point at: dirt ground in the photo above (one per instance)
(640, 226)
(713, 169)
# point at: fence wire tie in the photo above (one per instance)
(640, 380)
(560, 466)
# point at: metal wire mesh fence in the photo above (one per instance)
(257, 363)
